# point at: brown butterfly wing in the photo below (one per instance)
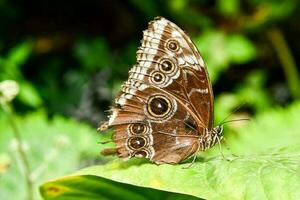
(150, 124)
(166, 104)
(194, 80)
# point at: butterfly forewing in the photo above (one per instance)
(166, 104)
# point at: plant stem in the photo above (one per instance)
(286, 59)
(22, 154)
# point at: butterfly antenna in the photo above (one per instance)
(235, 120)
(191, 164)
(234, 111)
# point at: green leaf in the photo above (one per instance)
(224, 104)
(148, 8)
(5, 162)
(19, 54)
(29, 95)
(177, 5)
(228, 7)
(279, 9)
(93, 187)
(93, 54)
(275, 130)
(53, 147)
(253, 92)
(240, 49)
(10, 65)
(246, 176)
(212, 45)
(220, 50)
(266, 166)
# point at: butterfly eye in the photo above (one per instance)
(158, 77)
(137, 142)
(219, 129)
(159, 106)
(173, 45)
(167, 66)
(137, 128)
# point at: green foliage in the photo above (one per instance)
(240, 49)
(250, 93)
(249, 174)
(221, 50)
(19, 55)
(148, 8)
(228, 8)
(10, 68)
(101, 188)
(93, 54)
(53, 147)
(29, 95)
(275, 130)
(276, 10)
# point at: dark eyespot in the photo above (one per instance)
(167, 66)
(141, 154)
(137, 128)
(159, 106)
(137, 142)
(173, 45)
(157, 77)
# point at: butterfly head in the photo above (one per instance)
(211, 137)
(218, 130)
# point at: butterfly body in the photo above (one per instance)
(165, 109)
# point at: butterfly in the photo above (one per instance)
(165, 109)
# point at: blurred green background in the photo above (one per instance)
(69, 60)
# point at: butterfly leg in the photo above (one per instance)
(220, 148)
(103, 127)
(191, 164)
(194, 157)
